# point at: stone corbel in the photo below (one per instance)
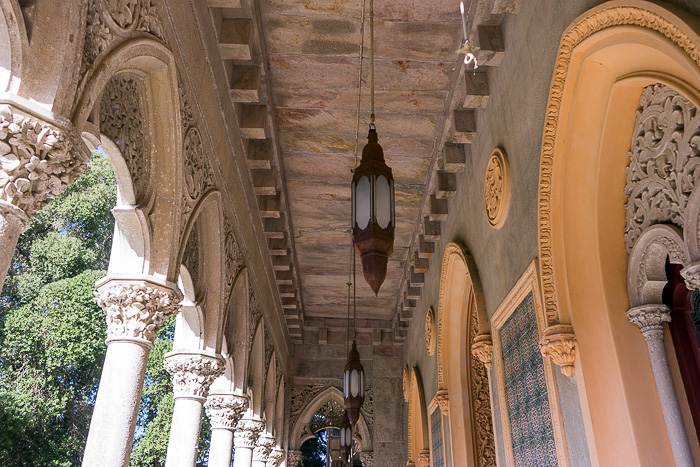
(136, 309)
(482, 349)
(263, 448)
(367, 458)
(559, 344)
(442, 399)
(293, 458)
(424, 458)
(691, 274)
(193, 373)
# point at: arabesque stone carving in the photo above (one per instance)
(193, 374)
(225, 410)
(587, 26)
(293, 458)
(442, 399)
(37, 160)
(367, 459)
(123, 120)
(664, 165)
(136, 310)
(559, 344)
(234, 257)
(247, 432)
(430, 331)
(424, 458)
(650, 319)
(275, 457)
(497, 188)
(482, 349)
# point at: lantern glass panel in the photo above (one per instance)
(362, 384)
(382, 202)
(345, 384)
(393, 209)
(362, 202)
(354, 383)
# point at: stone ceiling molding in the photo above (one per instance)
(430, 331)
(646, 15)
(497, 188)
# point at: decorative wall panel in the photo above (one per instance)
(530, 416)
(437, 448)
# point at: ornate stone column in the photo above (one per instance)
(650, 319)
(293, 458)
(245, 439)
(275, 457)
(193, 374)
(224, 412)
(262, 450)
(38, 158)
(135, 311)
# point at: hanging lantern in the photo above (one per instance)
(353, 385)
(345, 438)
(373, 212)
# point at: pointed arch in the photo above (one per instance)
(270, 395)
(418, 439)
(462, 380)
(256, 370)
(13, 45)
(605, 58)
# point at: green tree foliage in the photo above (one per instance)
(313, 451)
(51, 331)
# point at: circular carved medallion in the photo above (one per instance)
(406, 382)
(497, 188)
(430, 331)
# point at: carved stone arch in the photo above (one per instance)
(418, 438)
(590, 119)
(154, 66)
(256, 370)
(202, 254)
(646, 273)
(461, 319)
(270, 395)
(13, 45)
(189, 324)
(301, 430)
(224, 384)
(236, 328)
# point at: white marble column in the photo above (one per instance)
(193, 373)
(39, 159)
(245, 439)
(224, 412)
(275, 457)
(135, 311)
(650, 319)
(262, 450)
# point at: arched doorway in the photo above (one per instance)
(605, 59)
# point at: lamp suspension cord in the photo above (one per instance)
(349, 283)
(359, 82)
(371, 63)
(464, 21)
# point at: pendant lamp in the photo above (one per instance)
(345, 438)
(373, 197)
(353, 385)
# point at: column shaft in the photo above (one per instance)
(116, 407)
(12, 223)
(243, 457)
(221, 447)
(184, 433)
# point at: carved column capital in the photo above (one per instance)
(367, 458)
(650, 319)
(559, 343)
(225, 410)
(135, 310)
(247, 433)
(482, 349)
(424, 458)
(442, 398)
(263, 448)
(691, 274)
(193, 373)
(293, 458)
(275, 457)
(38, 160)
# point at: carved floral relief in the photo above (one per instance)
(497, 189)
